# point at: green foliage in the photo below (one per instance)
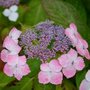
(35, 13)
(4, 80)
(79, 77)
(25, 84)
(34, 66)
(66, 85)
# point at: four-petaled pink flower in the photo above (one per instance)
(77, 41)
(70, 63)
(16, 66)
(50, 73)
(85, 84)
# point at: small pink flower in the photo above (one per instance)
(72, 33)
(16, 66)
(50, 73)
(81, 47)
(85, 84)
(11, 46)
(14, 34)
(70, 63)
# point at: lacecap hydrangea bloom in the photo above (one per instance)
(61, 52)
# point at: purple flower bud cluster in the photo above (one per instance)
(44, 41)
(8, 3)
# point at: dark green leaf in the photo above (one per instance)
(4, 79)
(25, 84)
(35, 13)
(79, 77)
(34, 66)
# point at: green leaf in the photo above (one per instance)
(4, 79)
(66, 85)
(25, 84)
(35, 13)
(78, 4)
(34, 65)
(38, 86)
(58, 87)
(79, 77)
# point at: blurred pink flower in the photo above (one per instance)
(14, 34)
(50, 73)
(11, 46)
(72, 33)
(71, 63)
(85, 84)
(16, 66)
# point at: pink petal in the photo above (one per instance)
(14, 33)
(64, 61)
(45, 67)
(71, 34)
(72, 54)
(88, 76)
(82, 48)
(12, 60)
(87, 54)
(56, 78)
(11, 45)
(43, 77)
(73, 27)
(8, 70)
(25, 69)
(69, 71)
(85, 44)
(79, 63)
(85, 85)
(55, 66)
(4, 55)
(22, 60)
(18, 76)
